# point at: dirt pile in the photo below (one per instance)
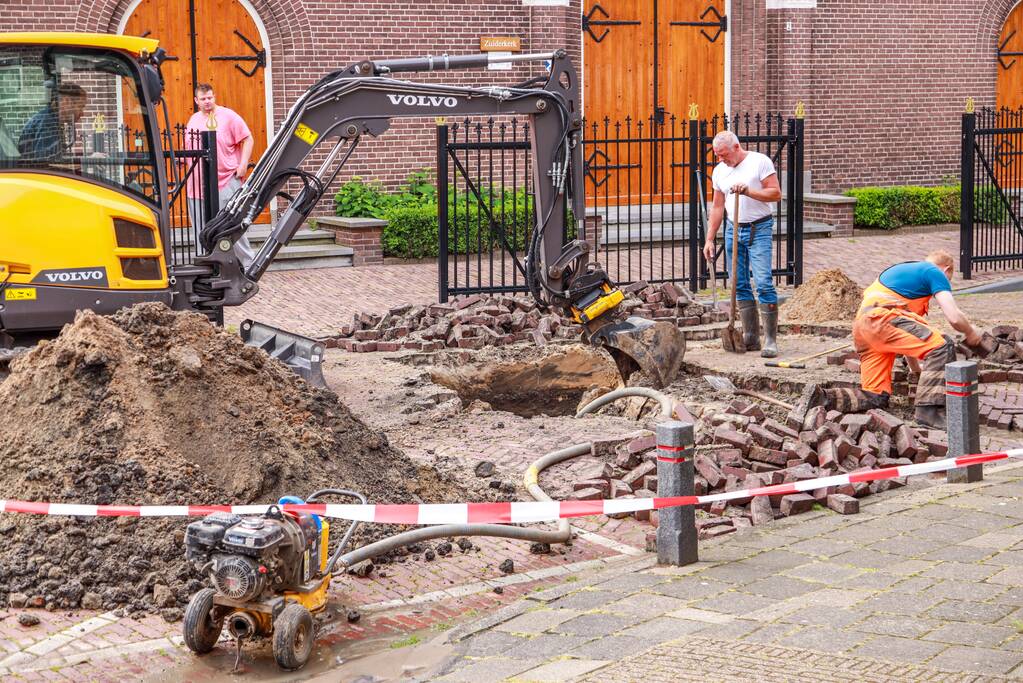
(476, 321)
(828, 295)
(155, 407)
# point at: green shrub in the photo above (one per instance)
(356, 199)
(411, 232)
(890, 207)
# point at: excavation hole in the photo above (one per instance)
(530, 381)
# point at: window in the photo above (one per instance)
(75, 112)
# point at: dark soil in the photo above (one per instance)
(155, 407)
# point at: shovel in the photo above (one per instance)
(731, 338)
(723, 385)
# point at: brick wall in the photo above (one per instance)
(884, 83)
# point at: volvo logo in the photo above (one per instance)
(423, 100)
(89, 277)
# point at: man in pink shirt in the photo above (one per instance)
(234, 148)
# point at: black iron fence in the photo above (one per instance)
(990, 232)
(193, 195)
(642, 185)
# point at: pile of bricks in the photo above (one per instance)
(740, 447)
(475, 321)
(1003, 346)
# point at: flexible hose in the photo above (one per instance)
(530, 480)
(666, 404)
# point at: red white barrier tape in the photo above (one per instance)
(501, 513)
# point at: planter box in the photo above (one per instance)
(362, 235)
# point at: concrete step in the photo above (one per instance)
(307, 249)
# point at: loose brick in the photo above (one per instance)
(796, 503)
(603, 485)
(709, 470)
(843, 504)
(827, 458)
(586, 494)
(768, 455)
(854, 424)
(905, 445)
(731, 437)
(634, 477)
(619, 489)
(883, 421)
(780, 429)
(765, 438)
(760, 511)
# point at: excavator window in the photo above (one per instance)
(76, 112)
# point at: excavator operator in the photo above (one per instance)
(891, 322)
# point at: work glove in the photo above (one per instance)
(982, 349)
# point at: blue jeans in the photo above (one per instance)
(753, 258)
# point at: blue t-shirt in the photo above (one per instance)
(915, 279)
(41, 139)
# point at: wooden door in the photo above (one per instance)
(210, 41)
(1009, 91)
(646, 61)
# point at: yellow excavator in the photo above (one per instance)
(85, 214)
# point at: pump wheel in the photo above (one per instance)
(293, 637)
(201, 628)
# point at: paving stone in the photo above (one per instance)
(662, 629)
(736, 574)
(960, 571)
(733, 630)
(909, 567)
(1012, 596)
(629, 583)
(963, 590)
(833, 618)
(908, 546)
(545, 646)
(780, 587)
(562, 670)
(872, 580)
(890, 625)
(891, 602)
(897, 649)
(645, 604)
(837, 597)
(913, 584)
(962, 610)
(584, 600)
(778, 560)
(821, 547)
(771, 633)
(948, 533)
(957, 553)
(1010, 576)
(981, 660)
(691, 588)
(611, 647)
(977, 635)
(492, 669)
(823, 572)
(1008, 558)
(491, 643)
(537, 621)
(823, 639)
(734, 603)
(596, 625)
(867, 559)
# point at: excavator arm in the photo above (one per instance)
(344, 106)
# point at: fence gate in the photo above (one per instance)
(189, 156)
(990, 231)
(486, 210)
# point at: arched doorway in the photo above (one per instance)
(221, 42)
(648, 60)
(1009, 88)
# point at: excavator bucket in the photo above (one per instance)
(302, 354)
(656, 348)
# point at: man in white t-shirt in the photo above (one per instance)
(751, 175)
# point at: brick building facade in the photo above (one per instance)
(883, 83)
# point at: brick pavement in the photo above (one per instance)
(922, 585)
(318, 302)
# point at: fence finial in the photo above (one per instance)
(440, 120)
(694, 111)
(800, 109)
(969, 105)
(99, 123)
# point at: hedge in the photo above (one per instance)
(888, 208)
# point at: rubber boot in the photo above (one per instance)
(750, 318)
(931, 416)
(770, 315)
